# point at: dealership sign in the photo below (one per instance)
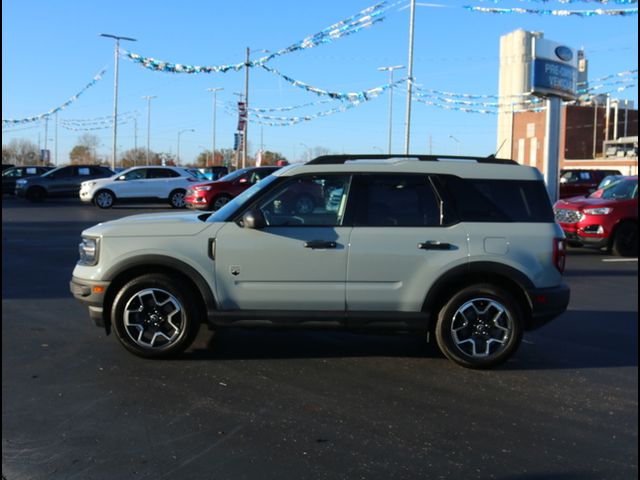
(554, 70)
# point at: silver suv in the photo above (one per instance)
(464, 249)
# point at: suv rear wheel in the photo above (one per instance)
(155, 316)
(480, 327)
(176, 199)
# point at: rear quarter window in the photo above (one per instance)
(481, 200)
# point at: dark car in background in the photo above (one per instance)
(59, 182)
(607, 218)
(214, 173)
(11, 175)
(576, 182)
(213, 195)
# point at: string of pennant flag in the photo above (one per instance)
(53, 111)
(353, 24)
(622, 12)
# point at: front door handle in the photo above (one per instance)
(434, 245)
(320, 244)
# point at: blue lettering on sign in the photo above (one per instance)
(554, 78)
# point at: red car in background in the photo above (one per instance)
(213, 195)
(607, 218)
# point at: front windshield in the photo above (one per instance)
(225, 212)
(621, 190)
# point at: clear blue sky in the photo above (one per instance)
(51, 49)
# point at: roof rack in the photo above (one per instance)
(340, 159)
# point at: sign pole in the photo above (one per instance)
(552, 146)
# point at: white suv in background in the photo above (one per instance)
(138, 184)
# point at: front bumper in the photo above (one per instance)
(547, 304)
(91, 293)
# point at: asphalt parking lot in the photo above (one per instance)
(317, 405)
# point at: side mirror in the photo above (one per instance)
(121, 177)
(253, 219)
(242, 180)
(563, 180)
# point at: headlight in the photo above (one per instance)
(204, 188)
(21, 182)
(88, 184)
(89, 249)
(598, 211)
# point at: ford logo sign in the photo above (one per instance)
(564, 53)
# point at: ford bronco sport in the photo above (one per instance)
(462, 248)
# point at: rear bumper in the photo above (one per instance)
(547, 304)
(92, 294)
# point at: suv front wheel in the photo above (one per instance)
(480, 327)
(155, 316)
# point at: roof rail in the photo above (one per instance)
(340, 159)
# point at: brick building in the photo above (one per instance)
(577, 138)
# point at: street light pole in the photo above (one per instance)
(390, 70)
(407, 135)
(246, 106)
(180, 133)
(458, 142)
(213, 149)
(148, 98)
(115, 92)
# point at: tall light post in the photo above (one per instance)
(245, 135)
(148, 98)
(307, 151)
(390, 69)
(594, 100)
(407, 135)
(458, 142)
(180, 133)
(115, 92)
(213, 148)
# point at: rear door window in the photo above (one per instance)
(483, 200)
(397, 201)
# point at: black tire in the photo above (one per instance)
(36, 194)
(490, 332)
(104, 199)
(219, 201)
(303, 205)
(625, 240)
(155, 316)
(176, 198)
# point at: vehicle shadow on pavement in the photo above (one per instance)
(581, 339)
(578, 475)
(577, 340)
(237, 344)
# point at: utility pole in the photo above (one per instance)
(246, 106)
(180, 133)
(390, 69)
(595, 124)
(407, 135)
(55, 157)
(46, 137)
(135, 135)
(148, 98)
(213, 148)
(115, 93)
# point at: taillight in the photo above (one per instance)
(559, 253)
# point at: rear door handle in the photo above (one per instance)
(434, 245)
(320, 244)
